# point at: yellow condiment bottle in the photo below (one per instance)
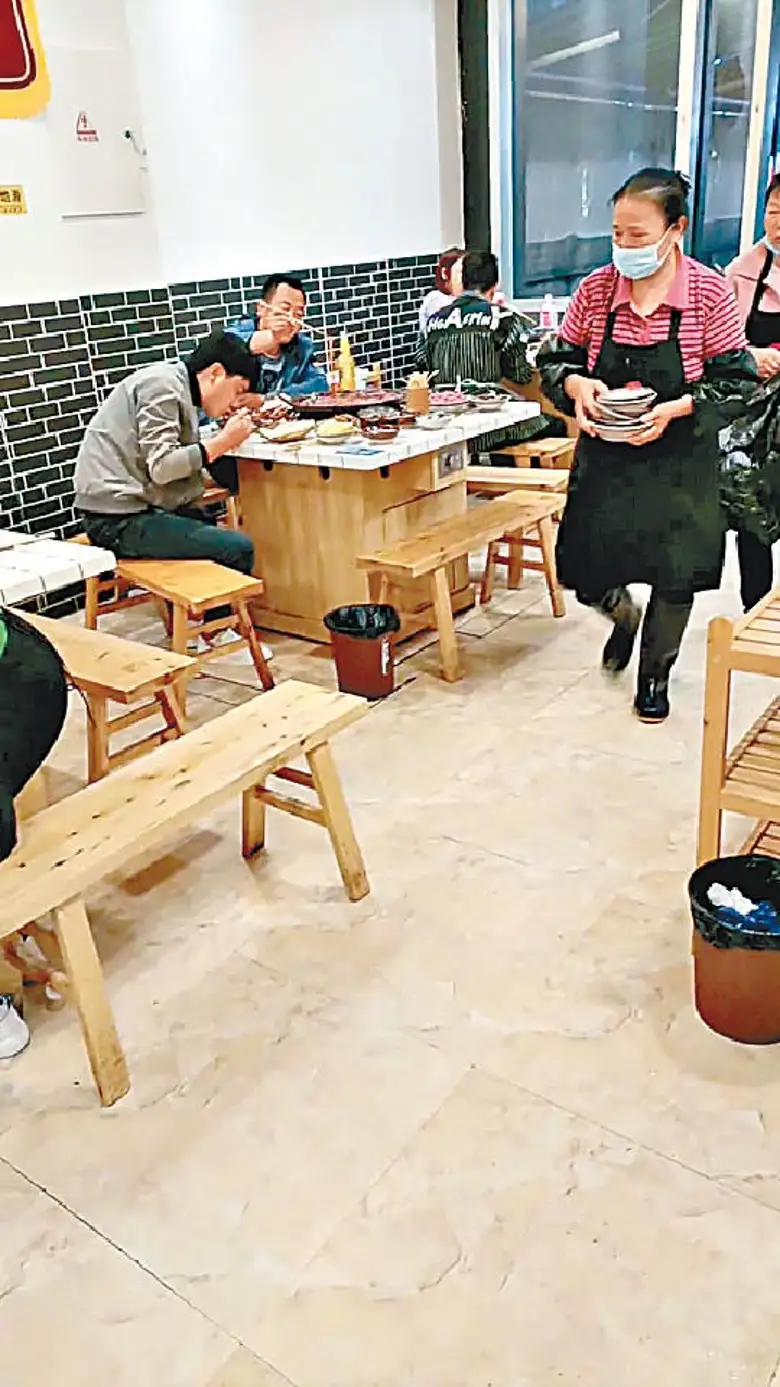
(346, 365)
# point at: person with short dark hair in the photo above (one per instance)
(449, 285)
(750, 489)
(139, 471)
(285, 355)
(647, 509)
(478, 339)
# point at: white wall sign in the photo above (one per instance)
(93, 107)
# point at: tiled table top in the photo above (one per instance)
(361, 456)
(31, 567)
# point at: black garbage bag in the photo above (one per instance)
(367, 621)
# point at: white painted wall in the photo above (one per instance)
(298, 134)
(42, 256)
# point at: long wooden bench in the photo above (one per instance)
(108, 669)
(429, 553)
(67, 849)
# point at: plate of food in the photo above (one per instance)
(323, 406)
(288, 431)
(449, 401)
(337, 430)
(433, 421)
(273, 412)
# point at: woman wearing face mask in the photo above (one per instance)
(751, 501)
(647, 510)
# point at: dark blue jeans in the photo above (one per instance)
(162, 534)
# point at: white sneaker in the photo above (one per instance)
(14, 1035)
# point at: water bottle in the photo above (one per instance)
(548, 317)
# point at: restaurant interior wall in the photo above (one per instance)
(87, 302)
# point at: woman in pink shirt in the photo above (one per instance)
(750, 507)
(647, 510)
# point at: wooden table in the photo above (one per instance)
(310, 510)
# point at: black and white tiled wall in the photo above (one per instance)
(59, 360)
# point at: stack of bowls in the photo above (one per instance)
(620, 412)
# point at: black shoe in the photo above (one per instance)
(619, 648)
(652, 699)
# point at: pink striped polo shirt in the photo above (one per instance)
(710, 325)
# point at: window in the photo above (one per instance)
(595, 99)
(725, 130)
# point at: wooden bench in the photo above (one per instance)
(542, 452)
(502, 481)
(107, 669)
(67, 849)
(433, 549)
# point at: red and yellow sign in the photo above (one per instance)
(24, 81)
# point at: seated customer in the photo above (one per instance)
(284, 353)
(139, 471)
(478, 339)
(449, 285)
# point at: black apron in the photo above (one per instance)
(762, 329)
(643, 515)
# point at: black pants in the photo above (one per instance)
(662, 629)
(756, 568)
(33, 703)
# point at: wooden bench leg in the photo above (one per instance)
(514, 578)
(448, 644)
(338, 822)
(91, 600)
(717, 700)
(85, 977)
(547, 544)
(489, 576)
(97, 737)
(253, 819)
(247, 630)
(378, 588)
(172, 712)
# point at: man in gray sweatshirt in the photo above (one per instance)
(139, 471)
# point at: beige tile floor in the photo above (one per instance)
(468, 1133)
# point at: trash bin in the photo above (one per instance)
(736, 966)
(363, 648)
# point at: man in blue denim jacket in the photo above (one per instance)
(285, 355)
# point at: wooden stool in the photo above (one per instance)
(107, 669)
(542, 452)
(193, 587)
(539, 537)
(220, 496)
(108, 593)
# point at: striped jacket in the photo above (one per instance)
(473, 339)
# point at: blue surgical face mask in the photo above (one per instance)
(639, 262)
(770, 245)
